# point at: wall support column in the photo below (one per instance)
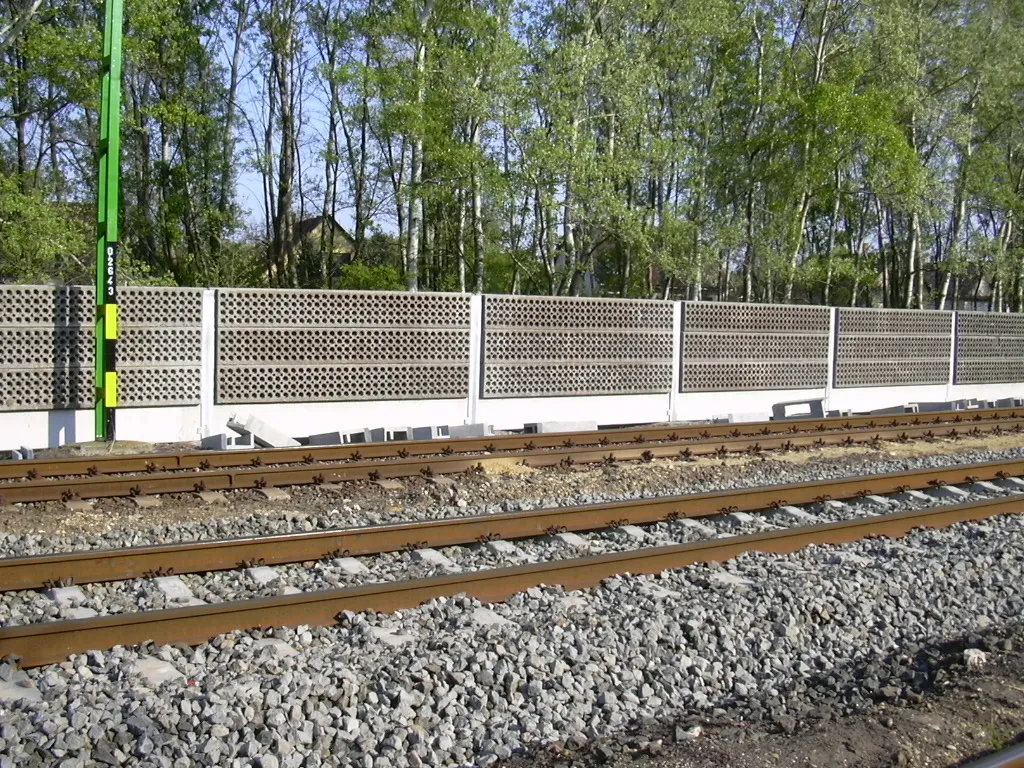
(207, 362)
(677, 357)
(476, 356)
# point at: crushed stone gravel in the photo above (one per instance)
(808, 636)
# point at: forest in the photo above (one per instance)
(846, 152)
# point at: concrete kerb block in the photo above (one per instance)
(799, 409)
(326, 438)
(156, 671)
(223, 441)
(264, 434)
(946, 405)
(425, 433)
(214, 442)
(740, 418)
(548, 427)
(244, 441)
(470, 430)
(1009, 402)
(896, 409)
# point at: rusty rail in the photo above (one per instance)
(207, 460)
(52, 642)
(201, 556)
(324, 473)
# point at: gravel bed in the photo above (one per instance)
(142, 594)
(807, 636)
(351, 514)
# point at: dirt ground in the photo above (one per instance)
(967, 715)
(499, 483)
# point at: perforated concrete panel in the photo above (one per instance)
(47, 347)
(329, 346)
(892, 347)
(158, 356)
(539, 346)
(743, 347)
(989, 348)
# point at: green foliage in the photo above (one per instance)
(361, 277)
(40, 241)
(755, 151)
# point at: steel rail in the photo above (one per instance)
(206, 460)
(53, 642)
(90, 566)
(319, 474)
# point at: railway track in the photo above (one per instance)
(205, 460)
(321, 469)
(53, 641)
(92, 566)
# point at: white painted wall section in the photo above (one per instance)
(512, 413)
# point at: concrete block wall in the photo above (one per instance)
(315, 361)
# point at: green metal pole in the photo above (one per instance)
(108, 197)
